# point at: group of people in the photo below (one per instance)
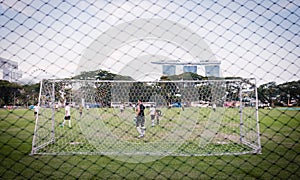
(67, 116)
(140, 116)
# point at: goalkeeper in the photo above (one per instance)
(140, 119)
(67, 115)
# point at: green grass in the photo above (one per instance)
(279, 159)
(106, 131)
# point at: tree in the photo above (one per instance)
(30, 94)
(184, 76)
(103, 93)
(140, 90)
(105, 75)
(168, 90)
(9, 92)
(101, 75)
(285, 94)
(289, 93)
(266, 92)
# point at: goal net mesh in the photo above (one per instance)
(193, 118)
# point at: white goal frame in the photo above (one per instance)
(46, 123)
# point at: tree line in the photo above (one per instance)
(14, 94)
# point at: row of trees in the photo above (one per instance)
(13, 94)
(286, 94)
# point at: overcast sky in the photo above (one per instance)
(250, 38)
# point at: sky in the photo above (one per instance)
(51, 39)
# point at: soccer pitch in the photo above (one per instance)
(107, 131)
(279, 159)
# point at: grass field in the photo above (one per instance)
(107, 131)
(280, 157)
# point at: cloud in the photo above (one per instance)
(247, 39)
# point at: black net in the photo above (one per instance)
(223, 78)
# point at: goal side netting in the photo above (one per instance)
(192, 118)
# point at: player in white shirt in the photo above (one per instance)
(152, 112)
(122, 108)
(67, 115)
(36, 110)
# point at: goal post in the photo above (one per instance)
(44, 120)
(197, 118)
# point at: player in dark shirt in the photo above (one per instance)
(140, 122)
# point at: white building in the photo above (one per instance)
(212, 70)
(9, 70)
(169, 69)
(212, 67)
(192, 69)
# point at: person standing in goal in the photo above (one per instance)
(67, 115)
(158, 114)
(36, 110)
(152, 112)
(80, 110)
(140, 119)
(122, 107)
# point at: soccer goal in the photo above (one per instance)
(197, 118)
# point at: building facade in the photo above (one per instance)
(169, 70)
(192, 69)
(213, 70)
(9, 70)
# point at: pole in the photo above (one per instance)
(53, 112)
(257, 119)
(241, 114)
(34, 147)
